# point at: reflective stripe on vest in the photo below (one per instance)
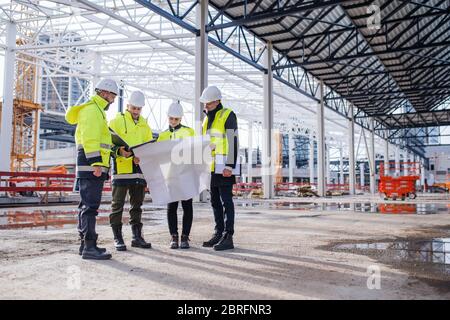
(128, 176)
(102, 145)
(90, 169)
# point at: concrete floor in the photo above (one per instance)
(282, 252)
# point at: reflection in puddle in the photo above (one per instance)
(383, 208)
(44, 219)
(434, 251)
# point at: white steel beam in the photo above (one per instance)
(8, 97)
(267, 147)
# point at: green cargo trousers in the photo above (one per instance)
(119, 193)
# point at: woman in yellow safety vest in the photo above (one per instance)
(178, 131)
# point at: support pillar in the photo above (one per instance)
(327, 164)
(8, 98)
(341, 166)
(361, 174)
(386, 157)
(250, 153)
(405, 165)
(201, 68)
(351, 152)
(321, 188)
(291, 155)
(311, 159)
(201, 62)
(372, 164)
(267, 147)
(422, 175)
(397, 161)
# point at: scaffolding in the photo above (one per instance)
(25, 116)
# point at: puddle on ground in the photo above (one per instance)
(57, 219)
(435, 251)
(382, 208)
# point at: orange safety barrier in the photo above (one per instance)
(30, 182)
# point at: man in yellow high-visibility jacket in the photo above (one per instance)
(93, 141)
(221, 126)
(178, 131)
(127, 175)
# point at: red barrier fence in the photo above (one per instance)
(30, 182)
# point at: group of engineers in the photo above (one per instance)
(96, 153)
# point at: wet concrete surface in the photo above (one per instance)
(36, 218)
(426, 260)
(281, 252)
(368, 207)
(43, 219)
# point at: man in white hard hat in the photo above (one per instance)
(178, 131)
(93, 141)
(220, 125)
(127, 177)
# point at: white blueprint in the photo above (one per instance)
(175, 169)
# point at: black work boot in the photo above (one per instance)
(138, 241)
(80, 251)
(119, 244)
(214, 240)
(90, 251)
(184, 242)
(174, 242)
(225, 243)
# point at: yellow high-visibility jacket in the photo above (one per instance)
(125, 171)
(92, 136)
(179, 132)
(217, 133)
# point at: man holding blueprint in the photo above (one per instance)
(220, 125)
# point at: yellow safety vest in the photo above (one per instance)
(180, 133)
(217, 133)
(92, 134)
(133, 134)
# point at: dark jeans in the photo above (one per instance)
(172, 218)
(119, 193)
(223, 207)
(91, 196)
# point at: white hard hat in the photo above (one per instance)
(211, 93)
(137, 99)
(175, 110)
(108, 85)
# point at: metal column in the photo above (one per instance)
(405, 160)
(201, 68)
(372, 164)
(351, 152)
(321, 188)
(341, 166)
(291, 155)
(267, 163)
(386, 158)
(327, 164)
(8, 98)
(250, 153)
(362, 174)
(311, 159)
(397, 161)
(201, 62)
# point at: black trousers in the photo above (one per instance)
(223, 207)
(91, 196)
(172, 217)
